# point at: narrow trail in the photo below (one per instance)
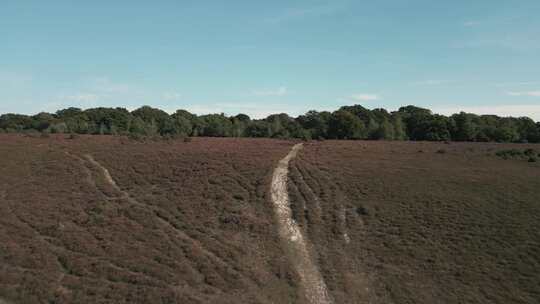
(297, 247)
(179, 233)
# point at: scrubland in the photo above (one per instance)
(105, 219)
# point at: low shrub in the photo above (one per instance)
(511, 153)
(31, 133)
(136, 137)
(527, 154)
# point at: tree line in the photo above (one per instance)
(348, 122)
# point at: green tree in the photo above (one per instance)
(527, 130)
(156, 118)
(345, 125)
(101, 120)
(239, 125)
(316, 123)
(384, 131)
(465, 129)
(257, 128)
(42, 121)
(15, 122)
(139, 127)
(183, 122)
(216, 125)
(400, 130)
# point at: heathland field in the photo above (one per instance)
(104, 219)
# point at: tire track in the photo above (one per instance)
(197, 245)
(296, 245)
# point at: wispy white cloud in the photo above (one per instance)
(106, 85)
(291, 14)
(471, 23)
(81, 98)
(254, 110)
(519, 42)
(171, 96)
(103, 91)
(429, 82)
(258, 110)
(281, 91)
(364, 97)
(532, 111)
(517, 83)
(528, 93)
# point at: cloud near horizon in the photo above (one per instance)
(429, 82)
(254, 110)
(364, 97)
(281, 91)
(527, 93)
(171, 96)
(532, 111)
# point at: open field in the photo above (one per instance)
(415, 222)
(102, 219)
(194, 227)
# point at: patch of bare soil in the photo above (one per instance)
(312, 282)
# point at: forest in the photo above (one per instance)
(348, 122)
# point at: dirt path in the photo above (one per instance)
(297, 247)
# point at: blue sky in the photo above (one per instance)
(261, 57)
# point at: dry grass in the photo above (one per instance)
(195, 227)
(423, 227)
(192, 222)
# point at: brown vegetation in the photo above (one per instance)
(185, 222)
(396, 222)
(101, 219)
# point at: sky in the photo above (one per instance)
(262, 57)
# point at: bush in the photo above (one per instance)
(168, 137)
(58, 128)
(136, 136)
(507, 154)
(31, 133)
(305, 136)
(529, 152)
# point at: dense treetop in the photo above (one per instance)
(348, 122)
